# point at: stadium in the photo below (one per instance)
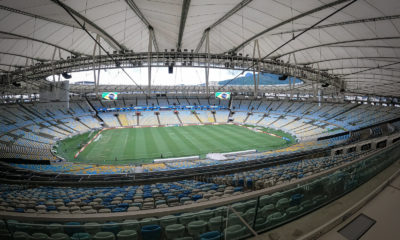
(189, 119)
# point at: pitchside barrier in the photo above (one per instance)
(178, 159)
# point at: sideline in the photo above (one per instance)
(87, 144)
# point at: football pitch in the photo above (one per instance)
(142, 145)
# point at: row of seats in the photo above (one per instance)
(134, 198)
(105, 200)
(267, 177)
(160, 102)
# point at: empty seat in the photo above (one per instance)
(168, 220)
(221, 211)
(319, 199)
(205, 215)
(104, 236)
(92, 228)
(214, 235)
(251, 204)
(196, 228)
(187, 218)
(104, 210)
(235, 232)
(307, 204)
(60, 236)
(55, 228)
(240, 207)
(127, 235)
(174, 231)
(110, 227)
(12, 225)
(261, 224)
(266, 210)
(151, 232)
(276, 217)
(296, 198)
(234, 219)
(71, 228)
(294, 211)
(21, 236)
(282, 203)
(216, 223)
(23, 228)
(130, 225)
(81, 236)
(249, 216)
(39, 236)
(148, 221)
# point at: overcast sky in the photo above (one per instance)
(160, 76)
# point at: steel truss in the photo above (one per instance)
(177, 59)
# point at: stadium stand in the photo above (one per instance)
(199, 120)
(310, 123)
(49, 124)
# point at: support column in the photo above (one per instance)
(26, 83)
(149, 50)
(316, 87)
(207, 68)
(256, 66)
(94, 68)
(292, 80)
(59, 57)
(98, 71)
(52, 64)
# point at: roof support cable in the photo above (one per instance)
(287, 42)
(304, 14)
(117, 64)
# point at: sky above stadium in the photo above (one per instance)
(160, 76)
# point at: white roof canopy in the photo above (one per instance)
(361, 43)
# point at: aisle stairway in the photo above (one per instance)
(123, 120)
(195, 114)
(177, 115)
(158, 119)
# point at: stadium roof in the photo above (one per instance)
(360, 43)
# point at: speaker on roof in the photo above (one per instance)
(66, 75)
(16, 84)
(283, 77)
(170, 69)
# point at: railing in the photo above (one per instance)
(42, 178)
(235, 217)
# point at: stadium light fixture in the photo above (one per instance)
(66, 75)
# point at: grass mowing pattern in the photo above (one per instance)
(68, 147)
(142, 145)
(276, 132)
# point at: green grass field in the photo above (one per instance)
(142, 145)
